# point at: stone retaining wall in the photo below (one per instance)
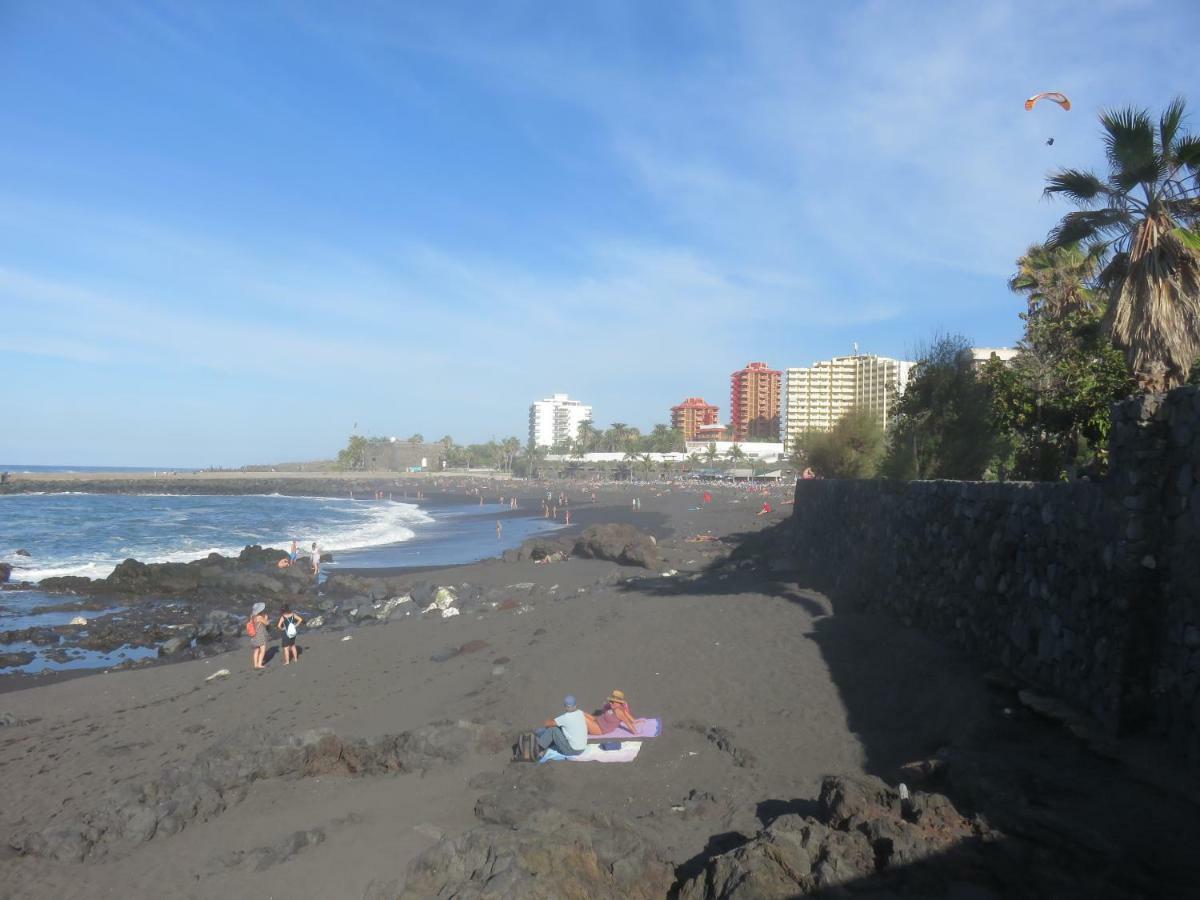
(1091, 591)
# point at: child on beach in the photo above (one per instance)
(288, 624)
(257, 629)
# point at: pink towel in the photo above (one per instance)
(646, 728)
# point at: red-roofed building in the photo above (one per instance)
(691, 414)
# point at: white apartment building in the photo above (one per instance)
(555, 419)
(814, 398)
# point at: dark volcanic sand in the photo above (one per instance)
(799, 693)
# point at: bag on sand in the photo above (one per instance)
(526, 748)
(251, 629)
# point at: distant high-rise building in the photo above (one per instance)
(556, 419)
(754, 403)
(692, 413)
(817, 396)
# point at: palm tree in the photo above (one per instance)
(735, 454)
(710, 452)
(586, 436)
(511, 446)
(630, 457)
(616, 437)
(1056, 280)
(1142, 220)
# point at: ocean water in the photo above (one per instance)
(89, 534)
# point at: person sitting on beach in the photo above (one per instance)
(613, 715)
(288, 623)
(257, 629)
(766, 508)
(566, 733)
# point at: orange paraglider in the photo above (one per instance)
(1061, 99)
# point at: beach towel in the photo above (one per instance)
(647, 728)
(628, 753)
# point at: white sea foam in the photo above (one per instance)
(388, 523)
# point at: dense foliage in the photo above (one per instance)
(943, 427)
(853, 448)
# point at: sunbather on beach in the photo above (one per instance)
(566, 733)
(613, 715)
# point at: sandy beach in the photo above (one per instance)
(764, 688)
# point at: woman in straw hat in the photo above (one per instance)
(257, 629)
(613, 715)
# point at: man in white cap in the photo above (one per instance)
(566, 733)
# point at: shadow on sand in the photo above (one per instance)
(1073, 824)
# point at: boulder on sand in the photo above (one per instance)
(622, 544)
(864, 832)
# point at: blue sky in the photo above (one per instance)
(230, 231)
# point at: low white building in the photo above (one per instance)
(556, 419)
(981, 355)
(765, 451)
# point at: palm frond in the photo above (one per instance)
(1083, 188)
(1129, 145)
(1186, 152)
(1190, 238)
(1169, 122)
(1088, 225)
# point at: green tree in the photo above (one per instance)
(710, 452)
(735, 454)
(586, 436)
(354, 456)
(510, 447)
(616, 437)
(1056, 280)
(417, 438)
(1142, 219)
(943, 426)
(853, 448)
(1050, 405)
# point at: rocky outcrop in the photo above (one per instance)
(5, 572)
(524, 847)
(253, 574)
(864, 833)
(617, 543)
(219, 778)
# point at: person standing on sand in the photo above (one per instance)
(257, 629)
(288, 624)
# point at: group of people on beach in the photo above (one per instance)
(294, 555)
(567, 733)
(288, 625)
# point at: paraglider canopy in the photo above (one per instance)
(1061, 99)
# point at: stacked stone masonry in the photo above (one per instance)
(1088, 590)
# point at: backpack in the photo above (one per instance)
(526, 748)
(290, 629)
(251, 629)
